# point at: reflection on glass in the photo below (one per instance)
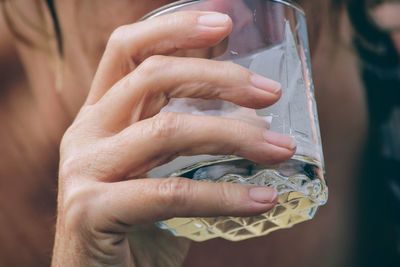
(269, 37)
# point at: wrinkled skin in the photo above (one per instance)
(86, 37)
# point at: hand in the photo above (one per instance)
(120, 134)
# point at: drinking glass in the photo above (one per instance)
(269, 37)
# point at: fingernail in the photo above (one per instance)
(213, 20)
(263, 194)
(280, 140)
(265, 84)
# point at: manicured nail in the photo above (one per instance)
(213, 20)
(263, 194)
(265, 84)
(280, 140)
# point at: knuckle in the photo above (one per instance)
(96, 159)
(69, 167)
(175, 191)
(240, 130)
(225, 196)
(230, 68)
(153, 64)
(165, 125)
(232, 71)
(77, 203)
(118, 37)
(83, 165)
(177, 19)
(230, 65)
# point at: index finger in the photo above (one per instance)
(129, 45)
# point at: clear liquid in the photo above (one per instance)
(299, 181)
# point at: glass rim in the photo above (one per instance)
(181, 3)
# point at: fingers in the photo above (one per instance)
(149, 88)
(153, 142)
(149, 200)
(129, 45)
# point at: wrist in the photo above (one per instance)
(68, 249)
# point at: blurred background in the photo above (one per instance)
(357, 76)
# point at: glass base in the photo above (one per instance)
(301, 188)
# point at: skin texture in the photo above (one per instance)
(52, 108)
(27, 169)
(119, 135)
